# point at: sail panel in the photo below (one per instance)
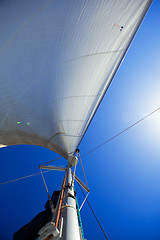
(57, 59)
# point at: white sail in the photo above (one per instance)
(57, 59)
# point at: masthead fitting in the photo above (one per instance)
(72, 161)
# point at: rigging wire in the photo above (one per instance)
(83, 169)
(118, 134)
(94, 213)
(44, 182)
(51, 161)
(17, 179)
(49, 197)
(83, 201)
(54, 160)
(121, 132)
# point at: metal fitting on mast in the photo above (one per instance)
(72, 161)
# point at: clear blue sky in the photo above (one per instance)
(124, 174)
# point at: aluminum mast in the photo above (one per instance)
(71, 227)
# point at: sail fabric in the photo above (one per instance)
(57, 59)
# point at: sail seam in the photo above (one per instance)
(48, 71)
(97, 54)
(80, 96)
(72, 120)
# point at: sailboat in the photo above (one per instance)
(52, 55)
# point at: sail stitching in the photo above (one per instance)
(24, 24)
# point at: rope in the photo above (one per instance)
(121, 132)
(94, 214)
(61, 199)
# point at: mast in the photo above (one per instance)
(70, 219)
(65, 225)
